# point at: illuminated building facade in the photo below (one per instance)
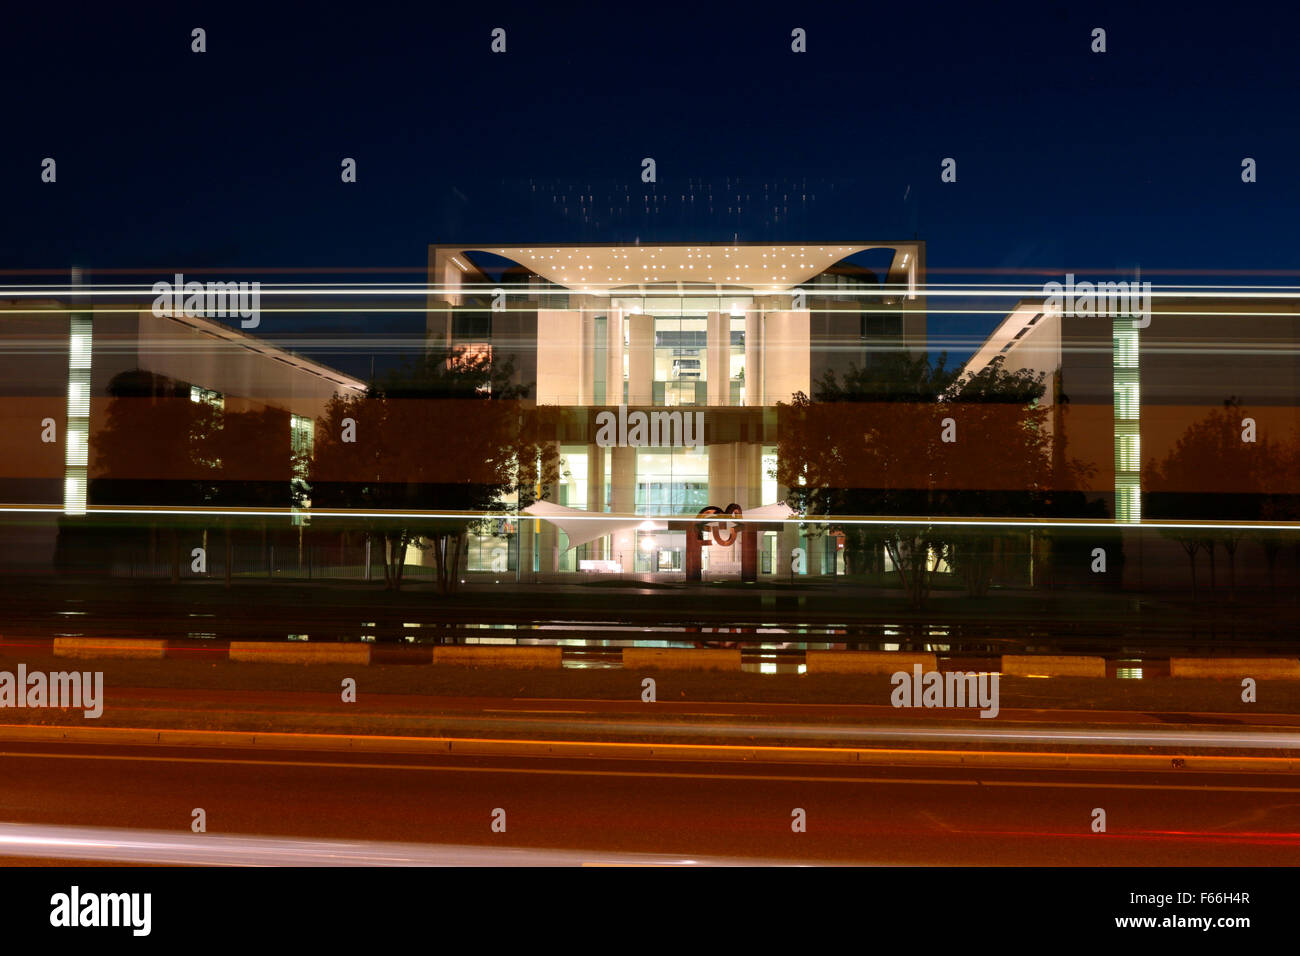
(62, 368)
(724, 331)
(1125, 389)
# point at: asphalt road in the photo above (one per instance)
(429, 809)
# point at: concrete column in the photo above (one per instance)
(754, 356)
(722, 474)
(717, 362)
(723, 559)
(749, 475)
(623, 494)
(787, 366)
(596, 490)
(787, 539)
(640, 373)
(817, 554)
(586, 351)
(614, 357)
(527, 531)
(559, 333)
(549, 554)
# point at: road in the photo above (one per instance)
(440, 809)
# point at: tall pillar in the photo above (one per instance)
(722, 492)
(717, 361)
(586, 350)
(549, 553)
(559, 334)
(623, 494)
(787, 365)
(549, 548)
(749, 475)
(596, 491)
(614, 357)
(749, 553)
(640, 361)
(528, 528)
(722, 475)
(754, 356)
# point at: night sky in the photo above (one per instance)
(1067, 160)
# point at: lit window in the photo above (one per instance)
(207, 396)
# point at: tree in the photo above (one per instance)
(156, 450)
(448, 435)
(1213, 475)
(1278, 465)
(254, 467)
(873, 444)
(851, 452)
(1001, 464)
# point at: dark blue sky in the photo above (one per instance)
(1067, 160)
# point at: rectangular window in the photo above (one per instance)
(77, 427)
(671, 481)
(736, 361)
(301, 442)
(601, 353)
(680, 348)
(573, 476)
(208, 396)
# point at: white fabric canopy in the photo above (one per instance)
(584, 526)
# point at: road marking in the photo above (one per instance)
(674, 775)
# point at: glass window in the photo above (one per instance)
(213, 398)
(498, 551)
(679, 358)
(672, 481)
(573, 476)
(736, 360)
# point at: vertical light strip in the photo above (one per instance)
(77, 428)
(1128, 421)
(302, 435)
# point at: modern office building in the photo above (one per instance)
(718, 332)
(61, 369)
(1125, 389)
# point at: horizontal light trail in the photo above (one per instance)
(620, 766)
(202, 849)
(606, 516)
(652, 290)
(889, 310)
(424, 270)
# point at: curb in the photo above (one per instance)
(681, 659)
(500, 655)
(1030, 665)
(867, 662)
(1283, 668)
(551, 657)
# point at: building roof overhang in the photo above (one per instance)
(756, 268)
